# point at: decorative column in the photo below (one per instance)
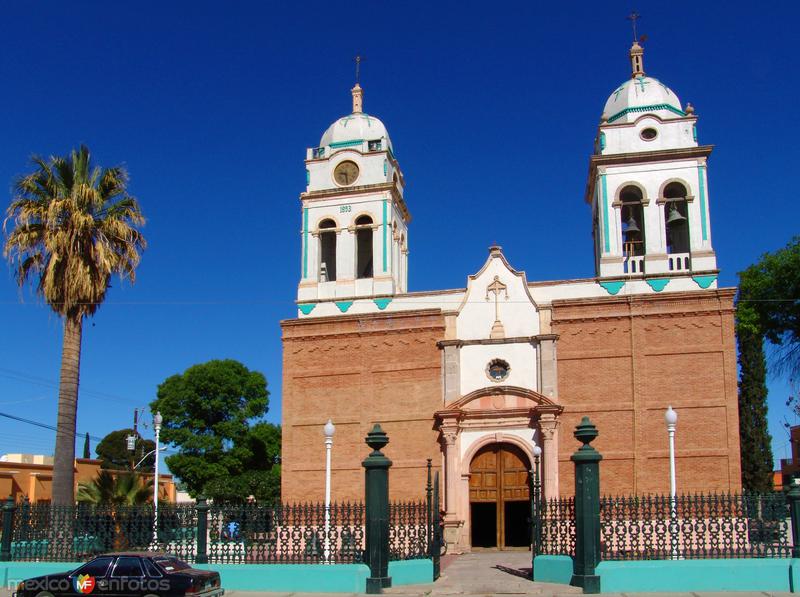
(548, 423)
(452, 475)
(376, 499)
(587, 509)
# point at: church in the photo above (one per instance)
(475, 378)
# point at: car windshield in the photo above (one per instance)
(171, 564)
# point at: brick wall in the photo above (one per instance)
(623, 360)
(359, 370)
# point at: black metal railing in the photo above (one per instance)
(286, 534)
(695, 526)
(44, 532)
(409, 529)
(556, 527)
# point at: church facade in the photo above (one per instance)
(481, 378)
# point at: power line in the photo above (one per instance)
(25, 377)
(46, 426)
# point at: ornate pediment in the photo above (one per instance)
(499, 401)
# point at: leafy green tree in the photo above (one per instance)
(87, 450)
(212, 415)
(73, 225)
(754, 438)
(769, 303)
(113, 451)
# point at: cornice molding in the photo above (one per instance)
(343, 193)
(489, 341)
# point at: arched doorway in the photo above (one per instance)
(499, 497)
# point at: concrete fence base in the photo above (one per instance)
(745, 574)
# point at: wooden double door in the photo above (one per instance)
(499, 497)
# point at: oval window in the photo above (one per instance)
(497, 370)
(649, 134)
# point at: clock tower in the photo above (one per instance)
(355, 221)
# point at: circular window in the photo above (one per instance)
(648, 134)
(497, 370)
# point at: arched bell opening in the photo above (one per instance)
(633, 228)
(327, 251)
(364, 247)
(499, 497)
(632, 216)
(676, 217)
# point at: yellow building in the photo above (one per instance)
(31, 476)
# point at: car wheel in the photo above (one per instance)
(44, 594)
(151, 595)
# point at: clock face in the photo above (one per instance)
(346, 173)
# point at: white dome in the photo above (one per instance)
(355, 127)
(641, 95)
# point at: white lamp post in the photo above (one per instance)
(328, 430)
(671, 418)
(157, 420)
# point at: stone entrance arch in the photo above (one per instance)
(494, 415)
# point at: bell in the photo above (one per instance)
(632, 226)
(675, 216)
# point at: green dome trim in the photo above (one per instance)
(651, 108)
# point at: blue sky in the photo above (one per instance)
(492, 110)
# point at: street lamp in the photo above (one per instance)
(536, 501)
(328, 431)
(671, 418)
(157, 420)
(130, 440)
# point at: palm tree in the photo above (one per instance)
(73, 225)
(122, 489)
(115, 494)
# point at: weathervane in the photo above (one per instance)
(633, 17)
(358, 67)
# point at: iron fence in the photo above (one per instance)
(44, 532)
(695, 526)
(409, 530)
(286, 534)
(654, 527)
(247, 533)
(555, 534)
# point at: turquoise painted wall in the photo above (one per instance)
(555, 569)
(756, 574)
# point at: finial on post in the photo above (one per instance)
(358, 93)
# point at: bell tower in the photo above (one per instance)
(354, 217)
(648, 185)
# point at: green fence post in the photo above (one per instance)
(202, 531)
(8, 529)
(376, 499)
(437, 528)
(587, 509)
(794, 508)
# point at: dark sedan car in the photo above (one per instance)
(134, 574)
